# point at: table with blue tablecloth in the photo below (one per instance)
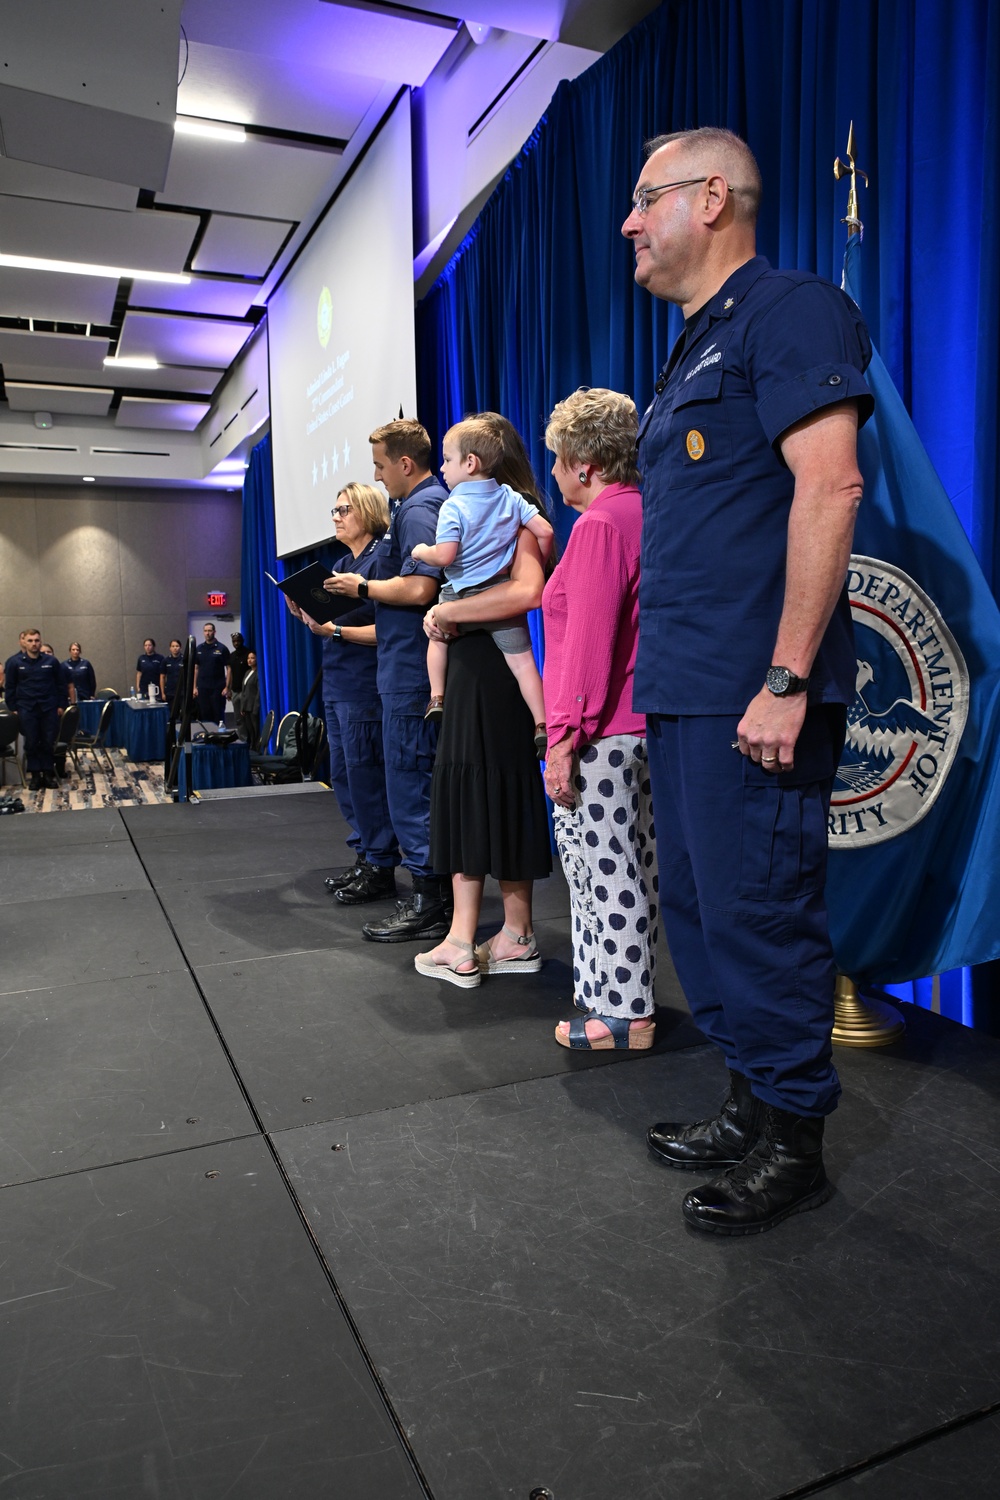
(141, 728)
(213, 766)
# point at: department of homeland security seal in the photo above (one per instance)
(909, 711)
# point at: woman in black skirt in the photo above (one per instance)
(488, 814)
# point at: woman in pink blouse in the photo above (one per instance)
(596, 771)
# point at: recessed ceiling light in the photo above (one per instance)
(131, 362)
(89, 479)
(214, 130)
(85, 268)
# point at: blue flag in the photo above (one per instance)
(915, 816)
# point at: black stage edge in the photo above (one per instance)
(279, 1217)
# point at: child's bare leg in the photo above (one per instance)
(437, 666)
(522, 664)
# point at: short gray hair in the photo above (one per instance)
(712, 147)
(599, 427)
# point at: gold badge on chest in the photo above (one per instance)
(695, 444)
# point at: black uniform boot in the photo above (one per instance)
(35, 781)
(783, 1175)
(423, 916)
(373, 883)
(720, 1142)
(337, 882)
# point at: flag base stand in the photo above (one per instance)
(861, 1022)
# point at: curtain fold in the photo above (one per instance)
(540, 299)
(288, 655)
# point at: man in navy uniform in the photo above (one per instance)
(402, 589)
(82, 676)
(173, 667)
(148, 668)
(211, 677)
(36, 689)
(746, 662)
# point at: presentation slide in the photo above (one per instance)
(341, 341)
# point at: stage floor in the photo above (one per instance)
(281, 1218)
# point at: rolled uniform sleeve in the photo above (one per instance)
(806, 351)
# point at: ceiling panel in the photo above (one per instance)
(225, 299)
(272, 179)
(58, 298)
(18, 345)
(145, 239)
(60, 400)
(152, 411)
(187, 382)
(211, 342)
(398, 47)
(24, 180)
(238, 246)
(224, 83)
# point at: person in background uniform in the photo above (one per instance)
(746, 662)
(82, 676)
(237, 662)
(248, 713)
(36, 686)
(173, 670)
(211, 677)
(148, 668)
(402, 589)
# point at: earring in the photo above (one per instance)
(582, 476)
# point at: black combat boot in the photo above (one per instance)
(783, 1175)
(373, 883)
(720, 1142)
(337, 882)
(422, 916)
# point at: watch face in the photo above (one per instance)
(778, 679)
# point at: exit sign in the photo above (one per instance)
(217, 600)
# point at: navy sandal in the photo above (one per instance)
(622, 1038)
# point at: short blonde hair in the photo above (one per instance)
(599, 427)
(473, 435)
(369, 505)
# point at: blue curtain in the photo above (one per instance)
(540, 297)
(288, 655)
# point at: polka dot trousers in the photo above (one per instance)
(607, 844)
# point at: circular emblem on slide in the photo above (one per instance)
(909, 710)
(324, 316)
(695, 444)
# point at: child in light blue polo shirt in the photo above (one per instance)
(476, 535)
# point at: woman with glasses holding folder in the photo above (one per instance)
(353, 708)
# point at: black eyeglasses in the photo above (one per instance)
(641, 196)
(340, 510)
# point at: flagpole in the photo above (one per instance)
(858, 1020)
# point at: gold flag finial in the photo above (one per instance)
(851, 169)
